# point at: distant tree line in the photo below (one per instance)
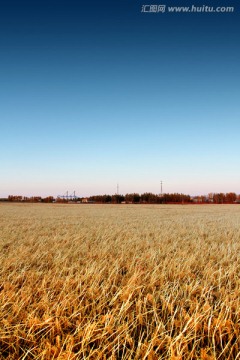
(135, 198)
(146, 198)
(19, 198)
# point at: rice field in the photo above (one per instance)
(119, 282)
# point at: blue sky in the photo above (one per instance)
(98, 94)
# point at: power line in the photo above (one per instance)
(66, 196)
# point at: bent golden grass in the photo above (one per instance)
(119, 282)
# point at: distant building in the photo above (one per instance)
(87, 201)
(199, 199)
(196, 199)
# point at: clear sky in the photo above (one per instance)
(98, 93)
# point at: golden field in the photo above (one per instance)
(119, 282)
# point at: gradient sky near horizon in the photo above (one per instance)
(98, 93)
